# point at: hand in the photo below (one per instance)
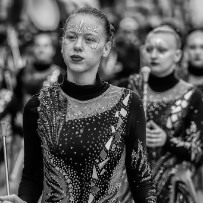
(155, 136)
(11, 199)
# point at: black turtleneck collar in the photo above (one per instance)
(161, 84)
(41, 66)
(84, 92)
(196, 71)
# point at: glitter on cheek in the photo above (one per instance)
(65, 42)
(95, 45)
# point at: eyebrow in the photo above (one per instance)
(86, 33)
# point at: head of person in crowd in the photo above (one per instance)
(127, 45)
(128, 28)
(162, 50)
(194, 48)
(43, 48)
(40, 68)
(86, 40)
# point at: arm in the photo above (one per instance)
(137, 167)
(189, 146)
(31, 183)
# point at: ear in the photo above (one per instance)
(106, 49)
(62, 48)
(178, 55)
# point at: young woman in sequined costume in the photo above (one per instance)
(174, 118)
(81, 134)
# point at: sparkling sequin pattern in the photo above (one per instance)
(83, 145)
(82, 29)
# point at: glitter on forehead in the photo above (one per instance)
(155, 42)
(82, 29)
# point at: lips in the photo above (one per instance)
(76, 58)
(154, 63)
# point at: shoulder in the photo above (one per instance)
(192, 87)
(186, 84)
(122, 82)
(193, 93)
(48, 92)
(134, 97)
(132, 79)
(51, 97)
(125, 90)
(32, 104)
(197, 94)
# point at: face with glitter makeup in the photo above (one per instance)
(161, 53)
(84, 44)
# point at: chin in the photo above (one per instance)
(198, 64)
(155, 70)
(159, 73)
(77, 69)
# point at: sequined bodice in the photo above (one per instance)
(88, 139)
(170, 115)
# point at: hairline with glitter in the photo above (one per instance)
(168, 30)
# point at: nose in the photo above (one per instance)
(78, 45)
(153, 54)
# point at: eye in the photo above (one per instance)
(161, 50)
(90, 40)
(149, 49)
(70, 37)
(192, 47)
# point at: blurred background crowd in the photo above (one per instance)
(30, 51)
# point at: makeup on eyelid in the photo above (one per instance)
(92, 44)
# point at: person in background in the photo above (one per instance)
(193, 51)
(174, 110)
(79, 134)
(128, 48)
(39, 71)
(193, 73)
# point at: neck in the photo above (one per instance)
(39, 66)
(161, 84)
(165, 73)
(84, 92)
(85, 78)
